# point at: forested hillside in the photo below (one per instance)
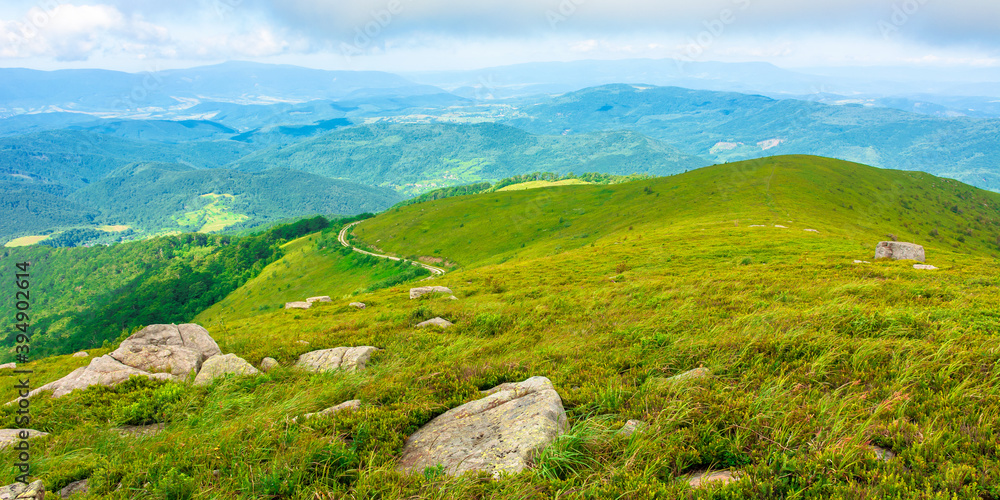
(414, 158)
(86, 296)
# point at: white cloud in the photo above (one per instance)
(68, 32)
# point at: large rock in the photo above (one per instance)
(497, 434)
(173, 349)
(81, 354)
(351, 405)
(104, 370)
(898, 250)
(217, 366)
(338, 358)
(298, 305)
(8, 366)
(358, 305)
(10, 437)
(21, 491)
(439, 322)
(268, 364)
(75, 488)
(416, 293)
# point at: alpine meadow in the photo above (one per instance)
(586, 250)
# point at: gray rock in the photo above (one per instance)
(631, 427)
(268, 364)
(298, 305)
(10, 437)
(140, 430)
(898, 250)
(779, 226)
(352, 405)
(881, 453)
(104, 370)
(81, 354)
(861, 262)
(7, 366)
(74, 488)
(217, 366)
(173, 349)
(439, 322)
(812, 230)
(699, 479)
(21, 491)
(323, 298)
(416, 293)
(338, 358)
(700, 373)
(499, 433)
(358, 305)
(924, 267)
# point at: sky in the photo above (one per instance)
(415, 35)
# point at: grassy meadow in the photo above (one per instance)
(604, 290)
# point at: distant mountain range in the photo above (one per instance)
(204, 141)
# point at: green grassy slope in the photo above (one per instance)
(815, 358)
(848, 200)
(312, 266)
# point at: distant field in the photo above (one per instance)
(215, 216)
(541, 184)
(26, 241)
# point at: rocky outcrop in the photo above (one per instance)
(298, 305)
(104, 370)
(268, 364)
(358, 305)
(220, 365)
(924, 267)
(166, 352)
(10, 437)
(898, 250)
(81, 354)
(416, 293)
(439, 322)
(338, 358)
(8, 366)
(173, 349)
(21, 491)
(323, 298)
(75, 488)
(499, 433)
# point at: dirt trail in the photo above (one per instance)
(437, 271)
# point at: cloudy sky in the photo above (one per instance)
(408, 35)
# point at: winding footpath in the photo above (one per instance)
(437, 271)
